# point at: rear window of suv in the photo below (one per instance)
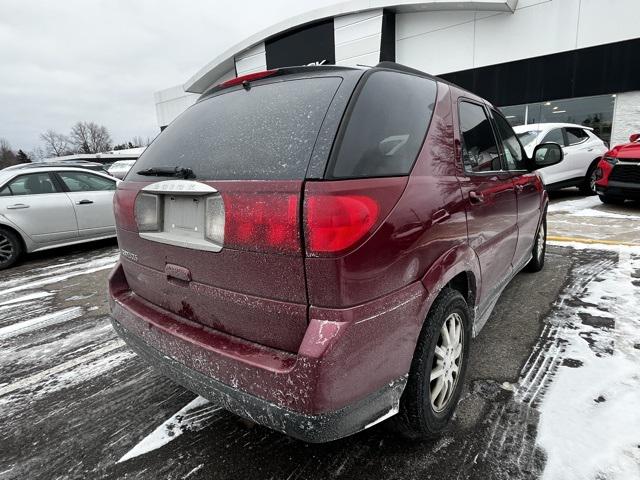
(266, 132)
(385, 126)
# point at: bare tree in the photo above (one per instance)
(7, 156)
(138, 141)
(89, 137)
(37, 154)
(55, 144)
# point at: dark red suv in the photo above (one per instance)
(618, 173)
(313, 248)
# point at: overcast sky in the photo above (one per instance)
(101, 60)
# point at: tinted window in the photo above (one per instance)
(32, 184)
(575, 135)
(85, 182)
(5, 192)
(479, 149)
(510, 144)
(266, 132)
(554, 136)
(386, 126)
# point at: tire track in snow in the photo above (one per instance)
(513, 439)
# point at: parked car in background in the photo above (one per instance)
(618, 173)
(120, 168)
(94, 166)
(47, 207)
(582, 152)
(321, 290)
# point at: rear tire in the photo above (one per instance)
(588, 186)
(437, 372)
(609, 200)
(539, 248)
(10, 248)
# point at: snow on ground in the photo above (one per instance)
(588, 207)
(41, 277)
(47, 345)
(192, 417)
(589, 424)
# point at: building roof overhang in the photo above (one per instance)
(225, 62)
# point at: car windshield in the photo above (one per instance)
(529, 137)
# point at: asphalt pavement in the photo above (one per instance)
(75, 402)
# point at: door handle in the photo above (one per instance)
(17, 206)
(84, 202)
(519, 188)
(476, 198)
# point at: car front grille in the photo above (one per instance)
(626, 173)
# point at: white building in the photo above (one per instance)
(539, 60)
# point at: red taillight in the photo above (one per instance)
(266, 222)
(123, 208)
(248, 78)
(333, 223)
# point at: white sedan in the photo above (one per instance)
(47, 207)
(582, 151)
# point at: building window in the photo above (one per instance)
(594, 112)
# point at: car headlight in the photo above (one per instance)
(611, 160)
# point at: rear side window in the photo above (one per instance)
(576, 135)
(86, 182)
(554, 136)
(266, 132)
(479, 148)
(385, 127)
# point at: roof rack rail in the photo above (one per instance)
(403, 68)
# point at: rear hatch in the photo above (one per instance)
(209, 217)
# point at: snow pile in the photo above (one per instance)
(590, 414)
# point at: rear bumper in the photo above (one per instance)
(625, 190)
(348, 373)
(323, 427)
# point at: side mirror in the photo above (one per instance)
(634, 138)
(547, 154)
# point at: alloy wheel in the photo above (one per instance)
(447, 362)
(540, 242)
(6, 248)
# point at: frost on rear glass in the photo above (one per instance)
(267, 132)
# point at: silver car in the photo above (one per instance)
(47, 207)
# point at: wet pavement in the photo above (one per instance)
(75, 402)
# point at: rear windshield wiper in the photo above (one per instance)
(167, 172)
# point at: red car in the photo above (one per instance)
(321, 244)
(618, 173)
